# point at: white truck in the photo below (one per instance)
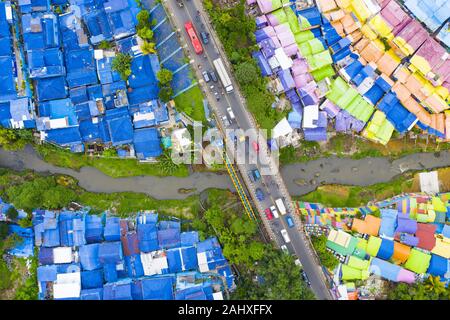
(280, 204)
(223, 75)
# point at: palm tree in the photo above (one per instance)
(166, 164)
(434, 284)
(148, 48)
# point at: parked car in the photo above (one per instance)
(285, 249)
(255, 146)
(226, 121)
(256, 175)
(204, 37)
(285, 236)
(213, 76)
(259, 194)
(180, 3)
(216, 94)
(274, 211)
(298, 263)
(289, 221)
(269, 214)
(305, 277)
(206, 76)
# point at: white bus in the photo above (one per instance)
(223, 75)
(280, 204)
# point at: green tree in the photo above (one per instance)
(278, 279)
(166, 164)
(12, 213)
(122, 64)
(327, 259)
(148, 48)
(3, 230)
(14, 139)
(164, 76)
(145, 33)
(104, 45)
(247, 73)
(165, 93)
(143, 19)
(430, 289)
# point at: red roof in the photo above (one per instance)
(425, 233)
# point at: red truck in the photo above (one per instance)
(193, 37)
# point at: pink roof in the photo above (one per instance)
(291, 50)
(431, 51)
(414, 34)
(300, 66)
(269, 30)
(302, 80)
(249, 2)
(406, 276)
(393, 14)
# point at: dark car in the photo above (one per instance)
(204, 37)
(259, 194)
(289, 221)
(213, 76)
(305, 277)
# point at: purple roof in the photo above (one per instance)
(299, 66)
(341, 124)
(409, 239)
(330, 108)
(322, 122)
(292, 96)
(315, 134)
(267, 47)
(405, 224)
(295, 119)
(286, 79)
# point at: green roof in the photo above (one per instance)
(418, 261)
(373, 245)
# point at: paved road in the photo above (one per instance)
(272, 185)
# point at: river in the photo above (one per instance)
(300, 178)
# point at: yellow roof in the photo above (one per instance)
(442, 247)
(380, 26)
(360, 10)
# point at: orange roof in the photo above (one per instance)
(402, 74)
(412, 105)
(370, 225)
(356, 35)
(435, 103)
(424, 117)
(401, 252)
(371, 52)
(387, 64)
(348, 23)
(352, 295)
(361, 44)
(326, 5)
(337, 25)
(414, 86)
(402, 92)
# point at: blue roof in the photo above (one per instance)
(384, 269)
(25, 247)
(46, 273)
(46, 63)
(112, 229)
(398, 115)
(438, 266)
(148, 238)
(388, 222)
(113, 291)
(89, 256)
(157, 288)
(119, 126)
(110, 252)
(147, 143)
(92, 294)
(81, 67)
(40, 32)
(51, 88)
(94, 229)
(386, 249)
(92, 279)
(189, 238)
(7, 82)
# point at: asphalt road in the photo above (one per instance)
(272, 185)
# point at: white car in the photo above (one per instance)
(274, 212)
(285, 249)
(230, 113)
(298, 263)
(285, 236)
(226, 121)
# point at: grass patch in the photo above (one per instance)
(191, 103)
(113, 167)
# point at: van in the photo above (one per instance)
(280, 204)
(285, 236)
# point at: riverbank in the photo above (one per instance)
(355, 147)
(354, 196)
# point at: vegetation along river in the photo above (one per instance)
(300, 178)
